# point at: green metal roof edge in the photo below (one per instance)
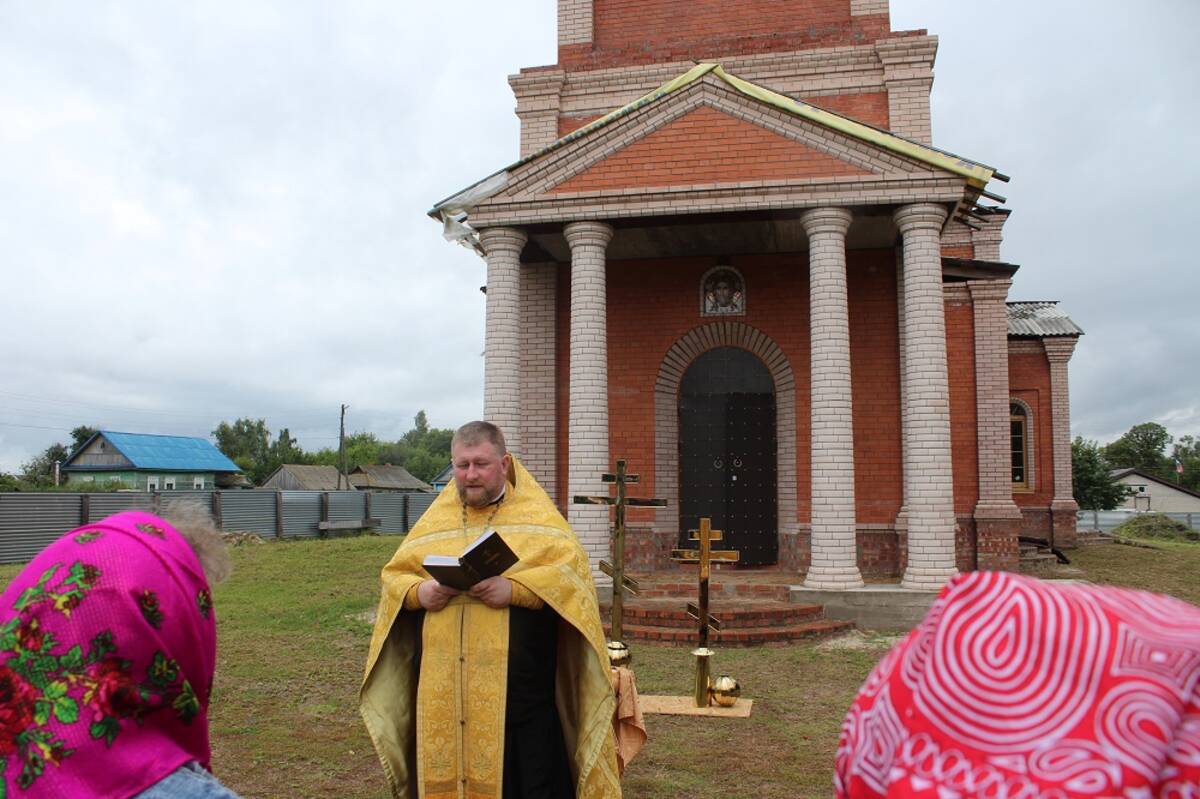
(977, 174)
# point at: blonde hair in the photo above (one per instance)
(473, 433)
(195, 524)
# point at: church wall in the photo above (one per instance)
(960, 358)
(875, 386)
(1029, 381)
(626, 32)
(868, 107)
(706, 146)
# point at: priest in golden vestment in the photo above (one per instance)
(502, 691)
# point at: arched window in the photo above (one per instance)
(1019, 424)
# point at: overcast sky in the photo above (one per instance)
(215, 210)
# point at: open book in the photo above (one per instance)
(487, 556)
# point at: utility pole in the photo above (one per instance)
(342, 449)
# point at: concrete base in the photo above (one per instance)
(872, 607)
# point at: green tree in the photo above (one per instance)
(1091, 476)
(1187, 453)
(81, 434)
(1142, 448)
(247, 443)
(40, 469)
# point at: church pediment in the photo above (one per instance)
(708, 141)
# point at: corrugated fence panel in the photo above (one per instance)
(248, 512)
(29, 522)
(103, 505)
(347, 506)
(301, 512)
(418, 503)
(388, 507)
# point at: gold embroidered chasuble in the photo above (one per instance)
(440, 734)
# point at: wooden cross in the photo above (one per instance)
(704, 556)
(621, 581)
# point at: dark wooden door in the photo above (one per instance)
(727, 452)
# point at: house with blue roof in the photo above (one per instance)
(147, 462)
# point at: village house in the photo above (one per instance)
(146, 462)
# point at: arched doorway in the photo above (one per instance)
(727, 458)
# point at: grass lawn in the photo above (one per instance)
(293, 636)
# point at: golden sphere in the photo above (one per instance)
(618, 654)
(725, 691)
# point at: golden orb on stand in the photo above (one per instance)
(725, 691)
(618, 654)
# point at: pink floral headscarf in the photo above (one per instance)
(1014, 688)
(107, 649)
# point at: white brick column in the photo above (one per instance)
(1058, 352)
(834, 548)
(993, 430)
(502, 351)
(908, 77)
(539, 97)
(928, 481)
(587, 424)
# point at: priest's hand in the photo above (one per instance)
(495, 592)
(433, 595)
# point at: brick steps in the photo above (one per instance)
(745, 622)
(1088, 538)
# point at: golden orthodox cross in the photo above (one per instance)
(704, 556)
(616, 569)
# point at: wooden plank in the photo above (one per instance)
(686, 706)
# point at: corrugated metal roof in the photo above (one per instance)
(1042, 319)
(388, 477)
(169, 453)
(307, 478)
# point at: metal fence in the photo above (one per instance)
(1106, 520)
(28, 522)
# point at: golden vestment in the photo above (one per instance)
(440, 734)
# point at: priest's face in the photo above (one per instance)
(479, 472)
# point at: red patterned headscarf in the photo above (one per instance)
(107, 648)
(1014, 688)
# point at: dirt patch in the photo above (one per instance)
(857, 639)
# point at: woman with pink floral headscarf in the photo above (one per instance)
(107, 649)
(1015, 688)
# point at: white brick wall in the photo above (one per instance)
(574, 21)
(834, 548)
(1058, 352)
(908, 78)
(502, 337)
(928, 483)
(587, 428)
(861, 7)
(538, 290)
(991, 399)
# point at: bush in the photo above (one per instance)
(1155, 525)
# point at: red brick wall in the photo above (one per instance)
(875, 385)
(958, 251)
(871, 107)
(707, 146)
(960, 356)
(1029, 380)
(654, 31)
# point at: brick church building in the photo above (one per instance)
(731, 255)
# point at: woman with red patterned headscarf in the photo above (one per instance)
(107, 649)
(1015, 688)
